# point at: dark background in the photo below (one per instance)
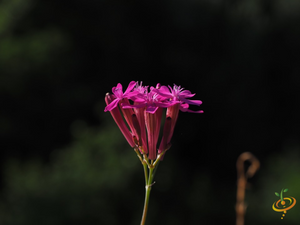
(63, 160)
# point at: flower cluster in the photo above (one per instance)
(143, 111)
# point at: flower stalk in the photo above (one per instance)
(148, 187)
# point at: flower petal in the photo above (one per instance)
(184, 108)
(118, 91)
(151, 109)
(192, 102)
(163, 91)
(186, 94)
(128, 106)
(112, 105)
(130, 87)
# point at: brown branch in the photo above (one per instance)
(242, 183)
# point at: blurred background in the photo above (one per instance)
(64, 161)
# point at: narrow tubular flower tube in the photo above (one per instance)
(137, 128)
(165, 137)
(141, 118)
(159, 113)
(115, 112)
(151, 125)
(172, 112)
(127, 113)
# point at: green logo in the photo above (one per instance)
(283, 206)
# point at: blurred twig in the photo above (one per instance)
(242, 183)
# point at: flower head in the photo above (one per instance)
(177, 94)
(144, 112)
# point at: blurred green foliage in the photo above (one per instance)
(26, 50)
(85, 183)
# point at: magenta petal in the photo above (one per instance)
(119, 86)
(167, 104)
(112, 105)
(118, 91)
(139, 100)
(128, 106)
(163, 91)
(192, 102)
(130, 87)
(184, 108)
(151, 109)
(186, 94)
(131, 95)
(191, 111)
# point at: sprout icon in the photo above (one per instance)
(283, 207)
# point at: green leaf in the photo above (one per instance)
(276, 194)
(285, 190)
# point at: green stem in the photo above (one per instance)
(281, 197)
(145, 172)
(155, 168)
(147, 195)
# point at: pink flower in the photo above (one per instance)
(119, 95)
(144, 111)
(178, 95)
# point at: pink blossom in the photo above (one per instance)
(177, 94)
(144, 111)
(119, 95)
